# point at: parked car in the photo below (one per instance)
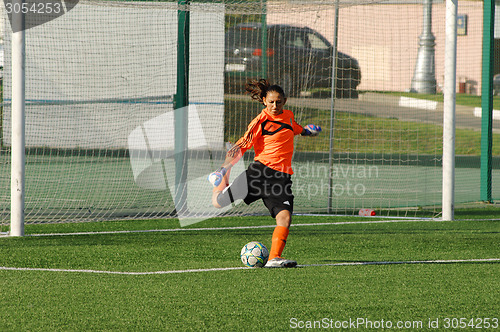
(299, 58)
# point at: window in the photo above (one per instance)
(294, 39)
(316, 42)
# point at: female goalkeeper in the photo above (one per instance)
(268, 178)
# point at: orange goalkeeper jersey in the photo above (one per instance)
(272, 139)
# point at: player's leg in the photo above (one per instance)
(281, 208)
(225, 194)
(221, 187)
(280, 233)
(284, 218)
(279, 238)
(246, 186)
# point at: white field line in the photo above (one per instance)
(451, 261)
(5, 268)
(230, 227)
(438, 261)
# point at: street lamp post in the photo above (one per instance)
(424, 77)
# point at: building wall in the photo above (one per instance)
(385, 40)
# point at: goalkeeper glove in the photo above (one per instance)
(311, 130)
(216, 177)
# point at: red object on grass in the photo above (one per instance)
(367, 212)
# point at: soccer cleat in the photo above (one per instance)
(280, 262)
(216, 177)
(223, 182)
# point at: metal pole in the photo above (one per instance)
(18, 127)
(487, 99)
(264, 38)
(332, 105)
(450, 63)
(424, 77)
(181, 107)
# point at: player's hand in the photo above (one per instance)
(216, 177)
(311, 130)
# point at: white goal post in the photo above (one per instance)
(449, 111)
(18, 125)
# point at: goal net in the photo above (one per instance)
(100, 122)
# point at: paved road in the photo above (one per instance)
(390, 107)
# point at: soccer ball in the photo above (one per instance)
(254, 254)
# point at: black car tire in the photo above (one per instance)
(347, 89)
(351, 88)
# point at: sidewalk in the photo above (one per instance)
(402, 108)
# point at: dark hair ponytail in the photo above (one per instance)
(258, 89)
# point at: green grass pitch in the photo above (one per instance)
(320, 293)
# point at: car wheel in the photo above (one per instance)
(351, 88)
(347, 88)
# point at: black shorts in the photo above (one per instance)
(261, 182)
